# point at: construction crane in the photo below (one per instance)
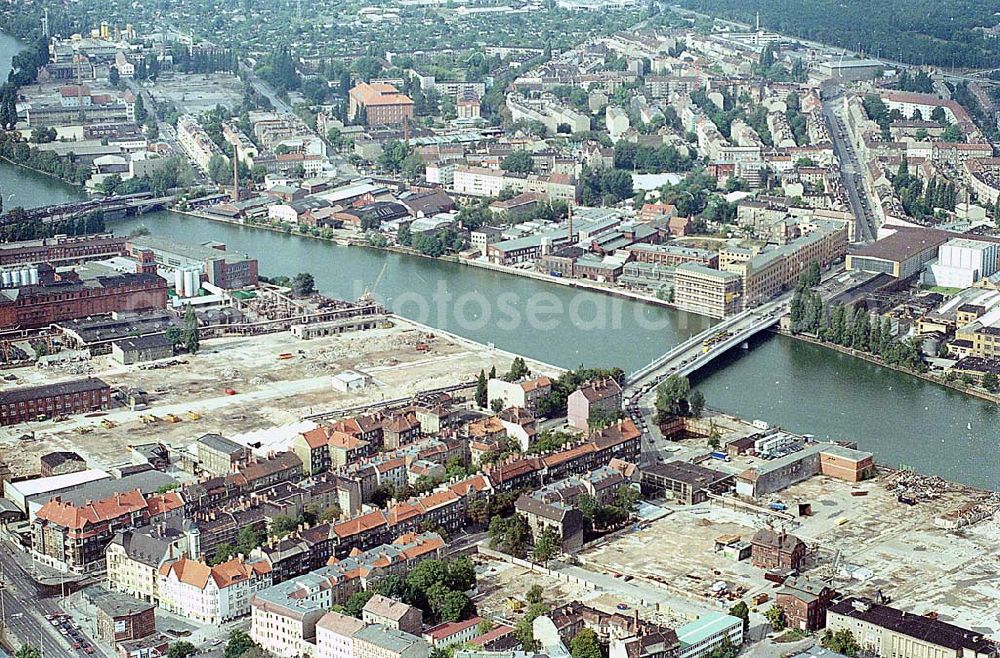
(368, 295)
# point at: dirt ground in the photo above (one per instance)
(269, 390)
(921, 567)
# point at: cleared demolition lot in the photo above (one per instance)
(194, 93)
(858, 543)
(236, 385)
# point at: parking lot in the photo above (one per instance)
(74, 635)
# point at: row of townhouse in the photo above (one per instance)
(619, 441)
(72, 537)
(284, 616)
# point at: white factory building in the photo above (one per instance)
(961, 262)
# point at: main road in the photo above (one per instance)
(851, 172)
(25, 606)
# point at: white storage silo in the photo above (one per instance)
(34, 276)
(25, 276)
(191, 283)
(7, 279)
(179, 282)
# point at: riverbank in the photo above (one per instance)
(353, 241)
(349, 238)
(49, 174)
(927, 377)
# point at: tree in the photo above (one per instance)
(31, 651)
(696, 402)
(742, 610)
(524, 630)
(509, 535)
(303, 284)
(671, 397)
(218, 169)
(842, 641)
(114, 77)
(519, 162)
(181, 649)
(173, 334)
(111, 185)
(481, 393)
(776, 616)
(535, 594)
(518, 370)
(190, 332)
(282, 525)
(496, 406)
(585, 644)
(356, 603)
(991, 382)
(546, 547)
(248, 538)
(239, 643)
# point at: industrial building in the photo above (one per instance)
(221, 268)
(684, 482)
(51, 400)
(48, 302)
(702, 290)
(961, 262)
(701, 637)
(885, 631)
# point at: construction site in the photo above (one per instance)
(860, 539)
(241, 384)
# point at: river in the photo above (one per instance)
(803, 387)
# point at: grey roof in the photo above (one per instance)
(221, 444)
(59, 457)
(694, 475)
(27, 393)
(147, 482)
(152, 341)
(390, 638)
(116, 605)
(148, 546)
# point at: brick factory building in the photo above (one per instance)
(62, 249)
(121, 618)
(80, 396)
(382, 103)
(39, 305)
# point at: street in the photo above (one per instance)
(25, 606)
(852, 173)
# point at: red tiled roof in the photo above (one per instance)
(71, 516)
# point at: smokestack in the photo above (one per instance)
(569, 215)
(236, 174)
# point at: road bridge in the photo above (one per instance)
(700, 350)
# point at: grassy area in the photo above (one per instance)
(951, 292)
(791, 635)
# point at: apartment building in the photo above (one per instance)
(211, 595)
(196, 143)
(72, 537)
(524, 394)
(284, 616)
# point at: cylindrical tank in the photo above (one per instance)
(25, 276)
(15, 276)
(191, 283)
(7, 280)
(34, 276)
(179, 282)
